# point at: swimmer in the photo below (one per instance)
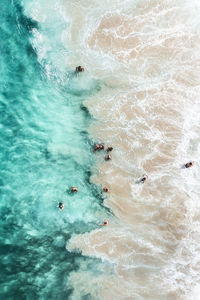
(189, 164)
(108, 157)
(61, 205)
(98, 147)
(144, 178)
(106, 190)
(73, 189)
(105, 223)
(109, 149)
(79, 69)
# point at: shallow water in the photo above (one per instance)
(139, 93)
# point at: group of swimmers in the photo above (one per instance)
(99, 147)
(74, 189)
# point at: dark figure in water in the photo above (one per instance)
(79, 69)
(143, 179)
(108, 157)
(61, 205)
(109, 149)
(73, 189)
(98, 147)
(189, 164)
(106, 190)
(105, 223)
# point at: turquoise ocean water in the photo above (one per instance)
(139, 94)
(45, 149)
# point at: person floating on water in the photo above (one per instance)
(143, 179)
(108, 157)
(61, 205)
(106, 190)
(105, 223)
(98, 147)
(109, 149)
(189, 164)
(79, 69)
(73, 189)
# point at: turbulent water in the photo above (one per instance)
(140, 94)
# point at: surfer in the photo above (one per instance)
(189, 164)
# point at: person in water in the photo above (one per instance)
(105, 223)
(79, 69)
(73, 189)
(106, 190)
(61, 205)
(109, 149)
(108, 157)
(189, 164)
(98, 147)
(144, 178)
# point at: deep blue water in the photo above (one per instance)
(45, 149)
